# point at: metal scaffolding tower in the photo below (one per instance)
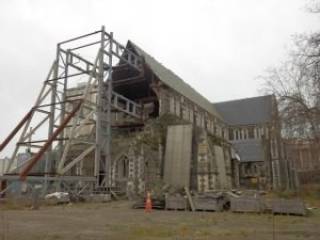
(69, 126)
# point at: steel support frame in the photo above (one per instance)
(67, 66)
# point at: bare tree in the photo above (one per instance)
(313, 6)
(296, 84)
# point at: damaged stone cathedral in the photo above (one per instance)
(185, 140)
(159, 133)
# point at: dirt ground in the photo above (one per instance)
(116, 220)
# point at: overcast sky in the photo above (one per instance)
(217, 46)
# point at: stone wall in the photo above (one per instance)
(174, 103)
(213, 165)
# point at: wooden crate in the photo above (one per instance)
(288, 206)
(176, 203)
(205, 203)
(247, 204)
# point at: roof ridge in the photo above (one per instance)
(247, 111)
(243, 99)
(193, 94)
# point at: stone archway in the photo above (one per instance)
(120, 172)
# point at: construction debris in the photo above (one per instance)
(113, 194)
(57, 198)
(190, 199)
(235, 201)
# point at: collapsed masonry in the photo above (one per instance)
(133, 126)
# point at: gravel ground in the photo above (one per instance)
(117, 220)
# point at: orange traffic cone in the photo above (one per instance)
(148, 206)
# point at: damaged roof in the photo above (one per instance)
(256, 110)
(175, 82)
(249, 150)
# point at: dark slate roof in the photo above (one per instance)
(246, 111)
(249, 150)
(175, 82)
